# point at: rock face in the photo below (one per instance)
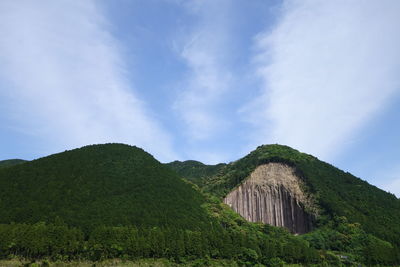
(273, 195)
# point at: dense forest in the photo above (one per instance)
(10, 162)
(112, 185)
(195, 171)
(116, 201)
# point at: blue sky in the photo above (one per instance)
(205, 79)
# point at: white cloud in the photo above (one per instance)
(327, 68)
(205, 51)
(64, 78)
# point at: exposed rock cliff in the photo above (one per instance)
(273, 194)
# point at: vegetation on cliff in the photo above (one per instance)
(337, 192)
(338, 195)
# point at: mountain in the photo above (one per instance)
(333, 191)
(195, 171)
(281, 186)
(117, 201)
(109, 184)
(10, 162)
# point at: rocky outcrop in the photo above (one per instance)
(273, 194)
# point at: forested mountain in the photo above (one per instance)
(195, 171)
(99, 185)
(117, 201)
(114, 200)
(10, 162)
(336, 192)
(339, 198)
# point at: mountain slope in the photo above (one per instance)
(195, 171)
(337, 193)
(117, 201)
(109, 184)
(11, 162)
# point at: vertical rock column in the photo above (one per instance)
(272, 195)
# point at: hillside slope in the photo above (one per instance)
(337, 193)
(109, 184)
(195, 171)
(10, 162)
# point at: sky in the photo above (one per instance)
(208, 80)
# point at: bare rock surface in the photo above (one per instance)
(273, 194)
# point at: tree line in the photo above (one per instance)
(60, 242)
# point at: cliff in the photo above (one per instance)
(273, 194)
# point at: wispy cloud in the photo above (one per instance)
(65, 77)
(208, 79)
(327, 67)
